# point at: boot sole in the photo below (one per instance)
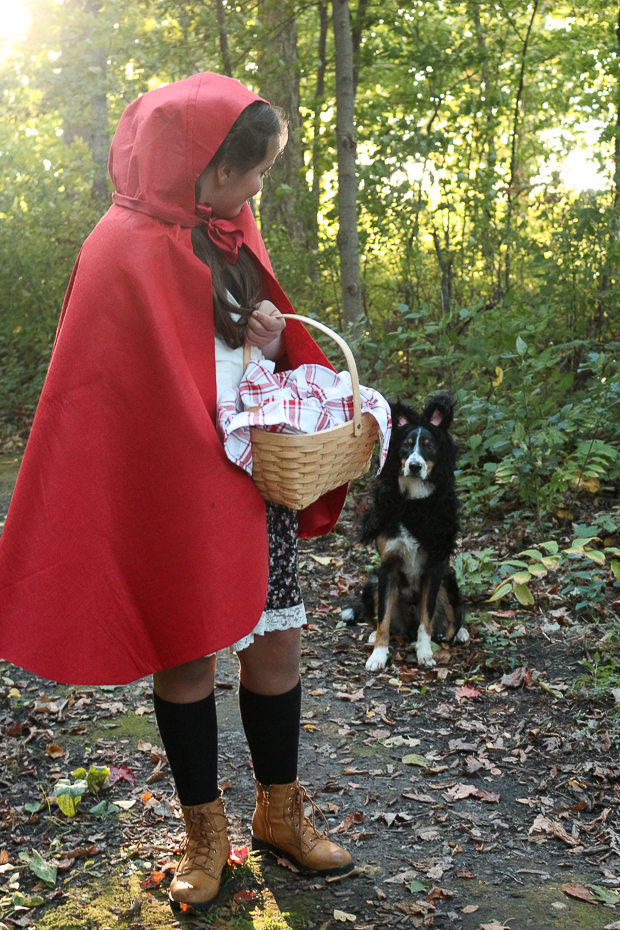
(264, 846)
(198, 906)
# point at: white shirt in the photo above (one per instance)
(229, 362)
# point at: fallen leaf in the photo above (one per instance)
(414, 759)
(54, 751)
(357, 696)
(469, 909)
(542, 824)
(122, 773)
(41, 868)
(439, 894)
(81, 852)
(467, 693)
(578, 891)
(245, 896)
(153, 880)
(520, 676)
(343, 917)
(125, 805)
(321, 559)
(238, 856)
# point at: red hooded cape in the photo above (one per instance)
(132, 544)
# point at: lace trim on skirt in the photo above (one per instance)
(286, 618)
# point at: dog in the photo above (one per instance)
(413, 521)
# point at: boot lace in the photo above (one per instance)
(299, 797)
(199, 847)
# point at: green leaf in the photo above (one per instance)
(42, 869)
(415, 887)
(68, 796)
(523, 595)
(414, 759)
(539, 571)
(103, 809)
(33, 806)
(605, 895)
(615, 567)
(522, 578)
(550, 546)
(31, 900)
(97, 777)
(79, 774)
(532, 553)
(521, 346)
(501, 591)
(595, 555)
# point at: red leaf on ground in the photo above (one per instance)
(123, 773)
(153, 880)
(467, 692)
(579, 891)
(245, 896)
(238, 856)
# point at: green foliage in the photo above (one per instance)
(601, 676)
(584, 584)
(476, 571)
(69, 795)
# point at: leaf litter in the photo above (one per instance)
(441, 782)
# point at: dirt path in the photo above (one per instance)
(468, 799)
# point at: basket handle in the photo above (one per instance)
(355, 383)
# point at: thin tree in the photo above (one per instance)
(348, 239)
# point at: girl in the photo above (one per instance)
(132, 545)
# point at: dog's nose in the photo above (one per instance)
(413, 468)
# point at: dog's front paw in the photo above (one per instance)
(425, 658)
(462, 636)
(377, 659)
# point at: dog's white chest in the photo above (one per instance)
(415, 488)
(411, 553)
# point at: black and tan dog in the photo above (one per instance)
(414, 523)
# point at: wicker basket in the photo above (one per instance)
(296, 469)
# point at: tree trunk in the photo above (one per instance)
(348, 240)
(221, 24)
(316, 126)
(283, 201)
(90, 101)
(512, 181)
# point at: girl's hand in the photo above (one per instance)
(264, 329)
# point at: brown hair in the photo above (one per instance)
(245, 146)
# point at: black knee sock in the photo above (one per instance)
(189, 735)
(271, 724)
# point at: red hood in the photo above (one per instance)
(167, 137)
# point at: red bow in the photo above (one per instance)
(227, 237)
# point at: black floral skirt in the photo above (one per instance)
(284, 609)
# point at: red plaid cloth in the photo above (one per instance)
(308, 399)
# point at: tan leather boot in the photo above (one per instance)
(206, 850)
(280, 826)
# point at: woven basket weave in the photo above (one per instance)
(296, 469)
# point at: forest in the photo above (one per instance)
(483, 192)
(449, 202)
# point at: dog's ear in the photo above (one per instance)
(439, 410)
(402, 414)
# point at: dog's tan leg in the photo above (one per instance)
(424, 649)
(461, 635)
(378, 657)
